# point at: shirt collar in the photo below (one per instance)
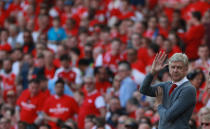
(179, 83)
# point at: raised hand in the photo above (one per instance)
(157, 64)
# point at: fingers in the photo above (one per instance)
(159, 92)
(160, 58)
(157, 57)
(163, 57)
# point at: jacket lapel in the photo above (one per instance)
(176, 92)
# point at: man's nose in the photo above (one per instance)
(175, 69)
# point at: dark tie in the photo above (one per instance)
(172, 88)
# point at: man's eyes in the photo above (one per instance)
(178, 67)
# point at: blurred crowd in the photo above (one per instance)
(78, 64)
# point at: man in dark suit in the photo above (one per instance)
(178, 96)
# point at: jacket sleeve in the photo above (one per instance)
(186, 99)
(146, 87)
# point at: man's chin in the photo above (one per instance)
(176, 79)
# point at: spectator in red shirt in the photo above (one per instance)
(102, 76)
(8, 78)
(44, 86)
(5, 46)
(14, 8)
(71, 27)
(164, 26)
(176, 41)
(2, 13)
(60, 51)
(193, 37)
(159, 40)
(30, 103)
(70, 75)
(131, 107)
(112, 58)
(133, 60)
(152, 30)
(59, 107)
(136, 41)
(203, 61)
(28, 45)
(93, 102)
(169, 48)
(49, 68)
(43, 23)
(139, 28)
(57, 10)
(104, 39)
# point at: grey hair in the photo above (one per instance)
(179, 57)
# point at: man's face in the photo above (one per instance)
(136, 41)
(88, 123)
(131, 56)
(7, 66)
(102, 75)
(114, 104)
(177, 70)
(89, 84)
(65, 64)
(26, 37)
(43, 84)
(88, 51)
(33, 88)
(59, 89)
(56, 23)
(48, 57)
(167, 46)
(203, 52)
(123, 72)
(163, 22)
(115, 48)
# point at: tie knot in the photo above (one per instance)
(174, 85)
(172, 88)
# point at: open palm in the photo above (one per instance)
(158, 62)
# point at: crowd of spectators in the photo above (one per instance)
(78, 64)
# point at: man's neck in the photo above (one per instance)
(180, 82)
(59, 95)
(196, 23)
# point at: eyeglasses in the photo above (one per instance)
(205, 124)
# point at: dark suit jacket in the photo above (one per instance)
(176, 109)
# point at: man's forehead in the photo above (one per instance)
(177, 63)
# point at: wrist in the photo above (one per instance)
(153, 72)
